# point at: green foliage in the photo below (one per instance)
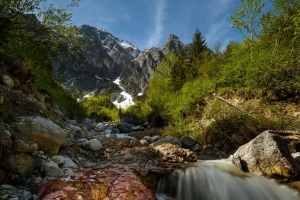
(27, 24)
(246, 17)
(37, 36)
(45, 81)
(264, 65)
(102, 107)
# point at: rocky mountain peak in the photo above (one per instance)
(171, 44)
(107, 57)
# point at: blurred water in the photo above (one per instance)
(219, 180)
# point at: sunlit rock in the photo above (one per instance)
(268, 155)
(48, 135)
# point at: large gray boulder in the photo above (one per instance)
(267, 155)
(46, 134)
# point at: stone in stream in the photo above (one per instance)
(268, 155)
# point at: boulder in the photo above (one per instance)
(167, 139)
(24, 146)
(196, 147)
(267, 155)
(174, 154)
(60, 160)
(93, 145)
(6, 141)
(51, 169)
(296, 156)
(129, 119)
(48, 135)
(124, 127)
(144, 142)
(20, 163)
(82, 141)
(8, 81)
(69, 164)
(187, 141)
(154, 138)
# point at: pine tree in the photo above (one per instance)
(198, 47)
(179, 70)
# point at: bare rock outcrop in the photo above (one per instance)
(267, 155)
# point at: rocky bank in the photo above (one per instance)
(46, 155)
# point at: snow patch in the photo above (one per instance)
(126, 44)
(128, 98)
(140, 94)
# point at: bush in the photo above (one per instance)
(101, 108)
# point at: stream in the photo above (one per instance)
(219, 180)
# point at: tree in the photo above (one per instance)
(198, 44)
(27, 26)
(179, 72)
(246, 18)
(198, 49)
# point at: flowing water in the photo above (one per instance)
(219, 180)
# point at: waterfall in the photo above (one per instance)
(218, 180)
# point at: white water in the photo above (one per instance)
(219, 181)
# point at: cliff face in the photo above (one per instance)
(106, 58)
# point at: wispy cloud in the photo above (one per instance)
(158, 26)
(217, 33)
(220, 7)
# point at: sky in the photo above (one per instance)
(147, 23)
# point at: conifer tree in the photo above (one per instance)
(179, 72)
(198, 47)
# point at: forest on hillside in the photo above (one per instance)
(265, 65)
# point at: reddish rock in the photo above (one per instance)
(6, 141)
(96, 185)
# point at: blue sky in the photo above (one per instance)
(147, 23)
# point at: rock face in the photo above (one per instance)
(267, 155)
(106, 57)
(46, 134)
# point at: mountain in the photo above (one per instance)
(109, 65)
